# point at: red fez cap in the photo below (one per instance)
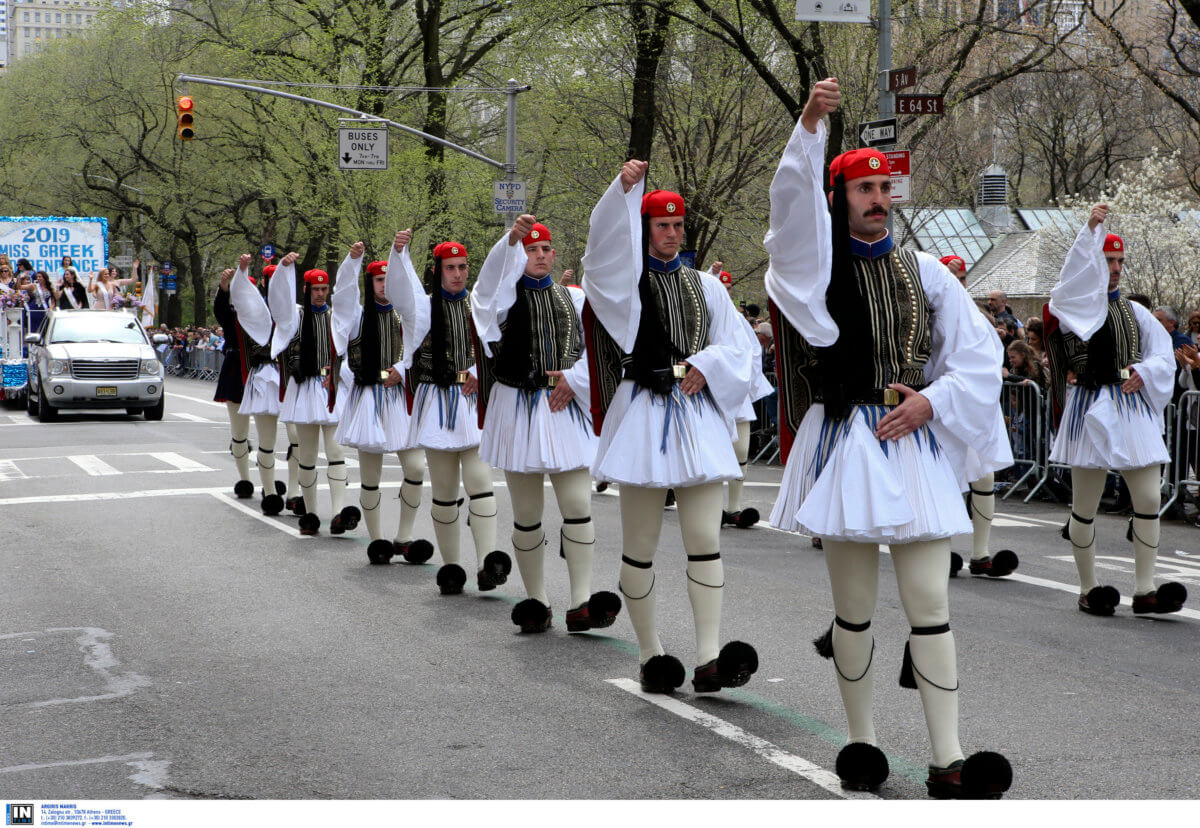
(375, 268)
(253, 281)
(725, 277)
(662, 203)
(316, 277)
(859, 163)
(448, 250)
(954, 262)
(538, 233)
(268, 271)
(1113, 243)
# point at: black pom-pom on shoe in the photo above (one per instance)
(417, 552)
(310, 524)
(986, 775)
(451, 578)
(1172, 594)
(1004, 563)
(603, 609)
(496, 567)
(1066, 530)
(379, 552)
(661, 674)
(1101, 600)
(244, 489)
(532, 616)
(824, 643)
(747, 518)
(736, 662)
(272, 505)
(280, 488)
(345, 520)
(956, 564)
(861, 767)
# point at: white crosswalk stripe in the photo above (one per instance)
(93, 465)
(180, 462)
(9, 471)
(191, 418)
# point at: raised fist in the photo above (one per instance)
(403, 237)
(521, 228)
(632, 172)
(356, 250)
(826, 97)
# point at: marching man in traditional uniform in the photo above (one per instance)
(261, 400)
(443, 392)
(248, 365)
(1112, 372)
(669, 369)
(533, 376)
(734, 514)
(978, 469)
(883, 361)
(379, 343)
(311, 371)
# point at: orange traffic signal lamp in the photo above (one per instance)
(183, 108)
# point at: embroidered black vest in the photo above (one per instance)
(458, 347)
(322, 341)
(391, 347)
(552, 339)
(1099, 361)
(898, 324)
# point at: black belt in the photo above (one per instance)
(874, 396)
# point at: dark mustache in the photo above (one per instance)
(876, 211)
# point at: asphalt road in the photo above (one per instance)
(161, 639)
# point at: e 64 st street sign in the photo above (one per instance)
(877, 133)
(920, 105)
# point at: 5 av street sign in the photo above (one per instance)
(877, 133)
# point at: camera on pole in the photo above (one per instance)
(183, 108)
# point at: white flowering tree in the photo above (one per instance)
(1160, 228)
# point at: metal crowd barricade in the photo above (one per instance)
(1024, 407)
(1185, 454)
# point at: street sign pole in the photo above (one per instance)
(886, 105)
(510, 143)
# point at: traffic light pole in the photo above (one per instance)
(509, 167)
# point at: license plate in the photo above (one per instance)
(106, 390)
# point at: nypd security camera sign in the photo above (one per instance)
(362, 148)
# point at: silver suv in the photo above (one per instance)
(93, 359)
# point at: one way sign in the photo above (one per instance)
(362, 149)
(877, 133)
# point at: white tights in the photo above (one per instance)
(573, 490)
(741, 448)
(309, 437)
(924, 592)
(700, 525)
(370, 468)
(1087, 485)
(444, 467)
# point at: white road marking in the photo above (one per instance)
(175, 396)
(191, 418)
(93, 496)
(93, 465)
(257, 514)
(9, 471)
(180, 462)
(99, 760)
(772, 753)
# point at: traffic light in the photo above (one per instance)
(183, 107)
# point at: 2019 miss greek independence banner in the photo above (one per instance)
(45, 240)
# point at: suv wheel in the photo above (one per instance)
(156, 413)
(46, 412)
(30, 405)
